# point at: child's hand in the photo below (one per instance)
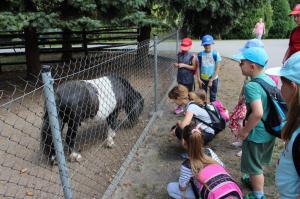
(200, 82)
(243, 134)
(210, 83)
(176, 65)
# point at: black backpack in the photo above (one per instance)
(276, 118)
(218, 124)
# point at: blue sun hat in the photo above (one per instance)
(207, 40)
(256, 55)
(290, 69)
(253, 43)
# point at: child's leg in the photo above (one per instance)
(174, 192)
(204, 85)
(214, 90)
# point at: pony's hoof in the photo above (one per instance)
(53, 160)
(74, 156)
(110, 143)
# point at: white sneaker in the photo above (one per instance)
(236, 144)
(239, 154)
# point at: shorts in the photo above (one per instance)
(255, 155)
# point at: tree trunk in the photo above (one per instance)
(32, 52)
(67, 45)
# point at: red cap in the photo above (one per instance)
(296, 10)
(186, 44)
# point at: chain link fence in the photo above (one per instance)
(103, 104)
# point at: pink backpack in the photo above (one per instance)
(216, 183)
(222, 110)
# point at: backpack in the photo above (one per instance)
(216, 183)
(200, 56)
(276, 118)
(218, 123)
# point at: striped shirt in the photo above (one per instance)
(186, 172)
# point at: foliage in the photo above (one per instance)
(213, 17)
(282, 23)
(243, 26)
(293, 3)
(72, 14)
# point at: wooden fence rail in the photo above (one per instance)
(15, 50)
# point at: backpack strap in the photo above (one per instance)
(296, 153)
(214, 53)
(205, 108)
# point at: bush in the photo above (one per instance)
(282, 23)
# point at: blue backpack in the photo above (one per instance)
(276, 118)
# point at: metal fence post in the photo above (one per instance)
(155, 72)
(177, 41)
(55, 129)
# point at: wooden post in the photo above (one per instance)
(32, 52)
(84, 42)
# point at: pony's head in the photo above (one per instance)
(134, 107)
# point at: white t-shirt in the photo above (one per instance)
(202, 114)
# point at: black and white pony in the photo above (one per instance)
(100, 99)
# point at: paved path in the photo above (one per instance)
(275, 47)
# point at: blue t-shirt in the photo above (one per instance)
(287, 178)
(253, 91)
(208, 63)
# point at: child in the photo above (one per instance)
(288, 169)
(239, 112)
(202, 169)
(209, 66)
(257, 144)
(186, 66)
(182, 97)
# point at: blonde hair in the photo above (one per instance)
(194, 141)
(179, 91)
(198, 96)
(293, 117)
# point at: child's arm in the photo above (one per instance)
(186, 120)
(253, 119)
(187, 66)
(198, 71)
(218, 66)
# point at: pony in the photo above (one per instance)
(99, 99)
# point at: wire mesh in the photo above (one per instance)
(89, 92)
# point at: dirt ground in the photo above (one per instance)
(157, 162)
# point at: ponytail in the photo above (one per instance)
(198, 96)
(293, 116)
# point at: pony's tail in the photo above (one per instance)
(134, 106)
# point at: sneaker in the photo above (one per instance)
(178, 110)
(236, 144)
(252, 196)
(239, 154)
(184, 156)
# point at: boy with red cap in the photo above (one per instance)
(294, 44)
(186, 66)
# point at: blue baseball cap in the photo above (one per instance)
(253, 43)
(207, 40)
(289, 70)
(256, 55)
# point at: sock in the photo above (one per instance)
(258, 194)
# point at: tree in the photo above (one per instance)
(215, 17)
(242, 27)
(282, 23)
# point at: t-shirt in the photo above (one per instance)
(202, 114)
(186, 172)
(287, 178)
(259, 28)
(184, 75)
(208, 64)
(294, 41)
(253, 91)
